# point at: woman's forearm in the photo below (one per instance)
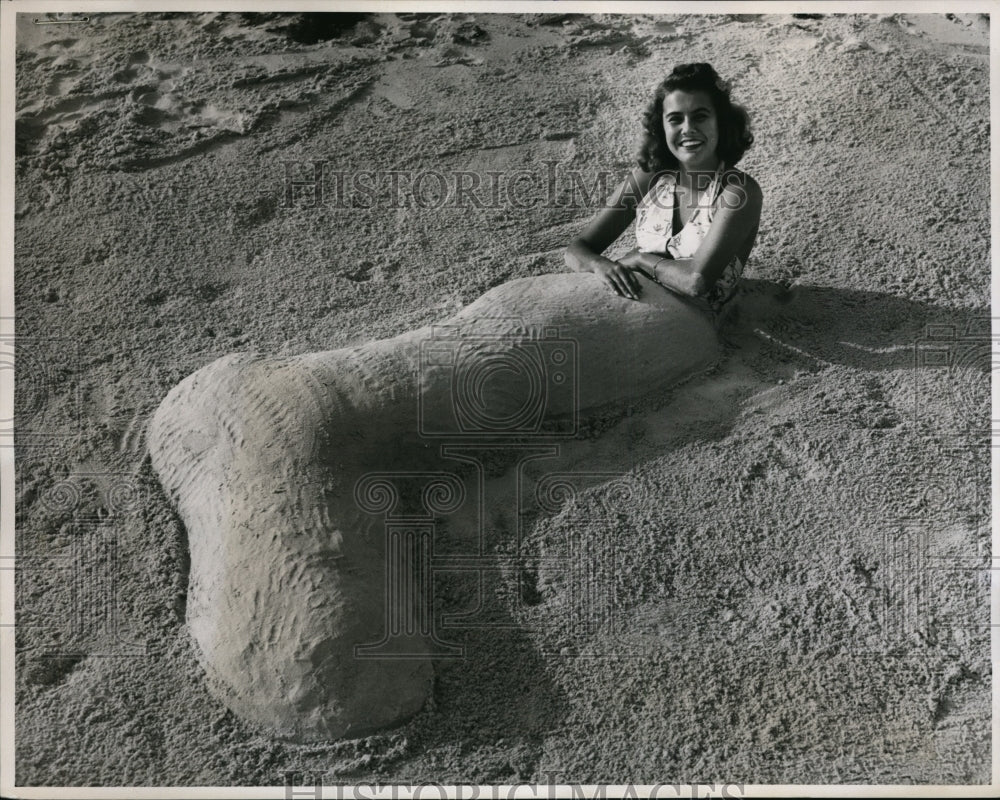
(579, 257)
(678, 274)
(674, 273)
(636, 259)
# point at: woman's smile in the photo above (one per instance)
(691, 129)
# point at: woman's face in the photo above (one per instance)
(692, 129)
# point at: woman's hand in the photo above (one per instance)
(632, 259)
(618, 276)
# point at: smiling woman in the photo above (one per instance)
(696, 215)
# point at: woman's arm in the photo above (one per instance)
(734, 224)
(674, 273)
(584, 251)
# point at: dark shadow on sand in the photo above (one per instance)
(858, 329)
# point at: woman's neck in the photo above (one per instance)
(698, 179)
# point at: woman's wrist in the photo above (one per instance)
(581, 258)
(649, 261)
(594, 264)
(678, 278)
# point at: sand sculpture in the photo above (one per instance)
(264, 459)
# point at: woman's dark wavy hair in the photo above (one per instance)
(734, 124)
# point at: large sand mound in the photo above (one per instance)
(268, 461)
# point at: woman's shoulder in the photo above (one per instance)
(737, 184)
(638, 185)
(646, 181)
(736, 176)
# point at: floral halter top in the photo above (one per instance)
(654, 231)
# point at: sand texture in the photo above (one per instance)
(775, 571)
